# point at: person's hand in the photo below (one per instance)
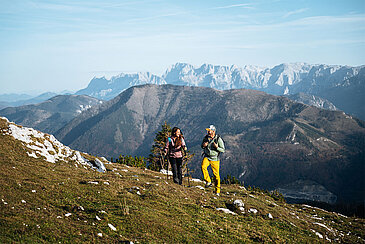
(215, 145)
(205, 144)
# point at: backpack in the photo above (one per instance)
(215, 140)
(171, 146)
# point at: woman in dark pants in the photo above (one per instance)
(173, 148)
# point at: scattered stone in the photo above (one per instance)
(200, 187)
(164, 171)
(68, 214)
(239, 205)
(272, 203)
(342, 215)
(196, 180)
(34, 191)
(100, 234)
(252, 210)
(93, 182)
(106, 183)
(225, 210)
(23, 201)
(97, 218)
(270, 216)
(317, 233)
(81, 208)
(98, 165)
(112, 227)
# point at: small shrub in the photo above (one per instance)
(132, 161)
(231, 180)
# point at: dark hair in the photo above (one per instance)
(178, 140)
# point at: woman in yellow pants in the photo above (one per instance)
(212, 145)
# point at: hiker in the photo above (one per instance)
(213, 145)
(174, 146)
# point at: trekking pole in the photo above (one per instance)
(187, 166)
(187, 169)
(167, 168)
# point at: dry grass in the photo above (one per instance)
(38, 196)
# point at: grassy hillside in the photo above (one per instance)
(69, 202)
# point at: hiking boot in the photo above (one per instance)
(208, 184)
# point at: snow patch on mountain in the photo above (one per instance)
(47, 146)
(83, 108)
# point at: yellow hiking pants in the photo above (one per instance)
(215, 167)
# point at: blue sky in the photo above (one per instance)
(60, 45)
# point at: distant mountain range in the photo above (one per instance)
(325, 86)
(107, 89)
(49, 116)
(271, 141)
(343, 86)
(15, 100)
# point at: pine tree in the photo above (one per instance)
(156, 159)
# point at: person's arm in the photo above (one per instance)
(220, 147)
(166, 146)
(183, 144)
(204, 143)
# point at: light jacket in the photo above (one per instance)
(174, 152)
(210, 151)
